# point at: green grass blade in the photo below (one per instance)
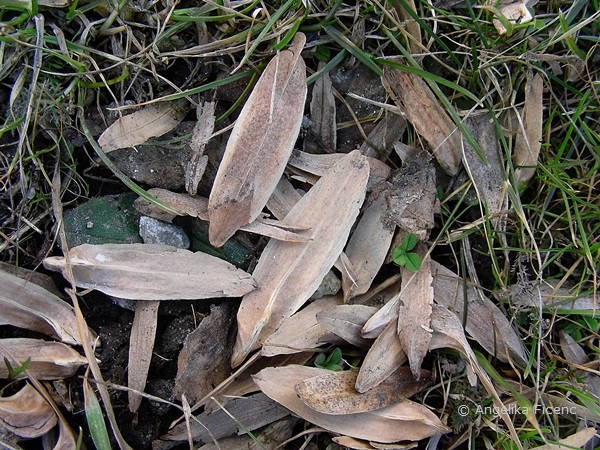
(95, 418)
(351, 47)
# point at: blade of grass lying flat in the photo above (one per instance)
(350, 46)
(331, 64)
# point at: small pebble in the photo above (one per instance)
(154, 231)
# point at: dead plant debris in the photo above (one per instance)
(392, 210)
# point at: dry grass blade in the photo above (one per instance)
(402, 421)
(260, 144)
(136, 128)
(152, 272)
(143, 333)
(26, 305)
(529, 137)
(48, 360)
(288, 273)
(334, 392)
(412, 95)
(414, 312)
(27, 413)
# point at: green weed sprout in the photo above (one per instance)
(403, 256)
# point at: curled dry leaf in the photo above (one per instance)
(412, 95)
(402, 421)
(27, 414)
(485, 322)
(529, 137)
(334, 392)
(48, 360)
(515, 12)
(414, 311)
(152, 272)
(302, 331)
(137, 127)
(346, 321)
(384, 135)
(196, 206)
(289, 272)
(260, 144)
(26, 305)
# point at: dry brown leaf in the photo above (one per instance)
(302, 331)
(48, 360)
(27, 414)
(448, 332)
(240, 383)
(26, 305)
(487, 176)
(141, 344)
(323, 111)
(152, 272)
(368, 247)
(137, 127)
(355, 444)
(204, 359)
(201, 135)
(347, 321)
(196, 206)
(382, 359)
(334, 392)
(254, 412)
(283, 198)
(576, 440)
(412, 95)
(319, 164)
(414, 311)
(383, 136)
(269, 438)
(484, 320)
(260, 144)
(288, 273)
(529, 136)
(412, 195)
(402, 421)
